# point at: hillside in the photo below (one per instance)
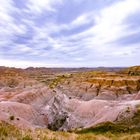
(86, 102)
(134, 70)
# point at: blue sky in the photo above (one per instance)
(69, 33)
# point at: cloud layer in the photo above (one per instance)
(64, 33)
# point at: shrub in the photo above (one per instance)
(12, 118)
(26, 138)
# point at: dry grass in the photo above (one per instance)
(10, 132)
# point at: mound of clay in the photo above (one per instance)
(21, 114)
(65, 100)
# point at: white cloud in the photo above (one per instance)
(20, 63)
(40, 5)
(109, 27)
(81, 20)
(85, 46)
(22, 48)
(8, 28)
(6, 7)
(29, 63)
(110, 22)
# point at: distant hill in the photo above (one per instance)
(134, 70)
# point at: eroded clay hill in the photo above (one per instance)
(99, 85)
(69, 100)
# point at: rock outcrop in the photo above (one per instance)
(69, 101)
(106, 88)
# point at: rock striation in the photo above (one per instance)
(69, 100)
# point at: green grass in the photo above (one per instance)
(10, 132)
(105, 127)
(54, 82)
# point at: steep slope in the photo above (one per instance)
(69, 100)
(101, 86)
(67, 114)
(21, 115)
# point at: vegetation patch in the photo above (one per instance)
(105, 127)
(10, 132)
(54, 82)
(11, 117)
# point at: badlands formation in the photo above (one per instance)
(72, 100)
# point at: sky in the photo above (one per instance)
(69, 33)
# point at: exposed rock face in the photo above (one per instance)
(57, 111)
(66, 114)
(26, 105)
(36, 97)
(109, 87)
(71, 101)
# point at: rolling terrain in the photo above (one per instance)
(87, 103)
